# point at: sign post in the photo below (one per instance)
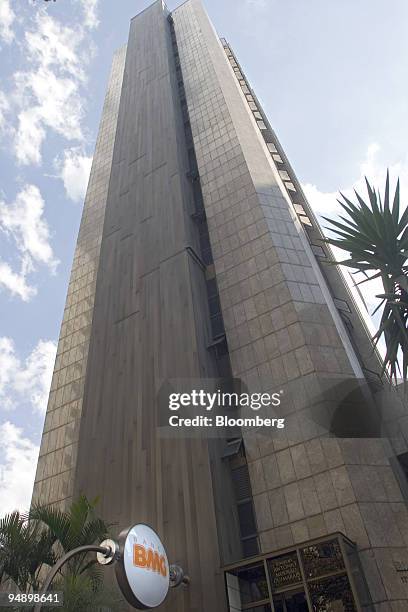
(142, 569)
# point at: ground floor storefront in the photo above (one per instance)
(322, 575)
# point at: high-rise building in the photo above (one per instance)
(198, 258)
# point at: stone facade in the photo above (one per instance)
(290, 325)
(56, 465)
(284, 331)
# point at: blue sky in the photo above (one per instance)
(330, 75)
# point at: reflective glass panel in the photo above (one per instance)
(247, 585)
(332, 595)
(291, 602)
(321, 559)
(284, 571)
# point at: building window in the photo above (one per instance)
(284, 175)
(271, 147)
(341, 304)
(261, 125)
(319, 576)
(318, 250)
(403, 461)
(246, 516)
(214, 305)
(305, 220)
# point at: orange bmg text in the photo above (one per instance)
(149, 559)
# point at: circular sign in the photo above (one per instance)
(143, 572)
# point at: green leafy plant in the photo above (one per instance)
(33, 542)
(25, 548)
(87, 592)
(76, 527)
(375, 234)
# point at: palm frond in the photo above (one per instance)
(375, 235)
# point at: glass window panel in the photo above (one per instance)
(250, 547)
(305, 220)
(291, 602)
(321, 559)
(332, 595)
(284, 175)
(318, 250)
(214, 304)
(271, 147)
(212, 288)
(241, 482)
(284, 570)
(261, 125)
(357, 574)
(341, 304)
(207, 257)
(217, 325)
(247, 585)
(246, 519)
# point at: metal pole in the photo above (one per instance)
(54, 570)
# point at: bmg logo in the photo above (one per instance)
(149, 559)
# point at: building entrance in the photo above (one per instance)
(317, 576)
(291, 602)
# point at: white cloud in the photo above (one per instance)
(54, 45)
(21, 382)
(29, 380)
(49, 94)
(325, 203)
(8, 364)
(16, 282)
(74, 170)
(4, 108)
(256, 3)
(24, 221)
(90, 8)
(34, 379)
(55, 103)
(17, 470)
(29, 137)
(7, 17)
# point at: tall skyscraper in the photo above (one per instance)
(198, 258)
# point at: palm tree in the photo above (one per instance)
(31, 542)
(76, 527)
(376, 237)
(25, 548)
